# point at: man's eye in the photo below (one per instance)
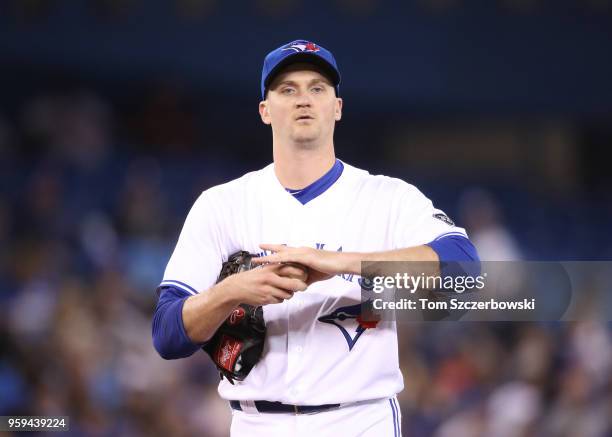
(287, 91)
(317, 89)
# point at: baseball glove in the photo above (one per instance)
(238, 343)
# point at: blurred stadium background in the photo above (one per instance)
(116, 114)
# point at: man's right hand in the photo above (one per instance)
(272, 283)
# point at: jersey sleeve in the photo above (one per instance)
(197, 257)
(419, 222)
(169, 336)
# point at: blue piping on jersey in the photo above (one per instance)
(318, 187)
(399, 416)
(179, 284)
(394, 418)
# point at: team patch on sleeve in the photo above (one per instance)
(443, 217)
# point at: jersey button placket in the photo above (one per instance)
(295, 348)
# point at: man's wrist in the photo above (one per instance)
(224, 294)
(352, 262)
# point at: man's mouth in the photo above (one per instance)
(304, 117)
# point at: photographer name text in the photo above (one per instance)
(453, 304)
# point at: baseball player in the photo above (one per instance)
(323, 370)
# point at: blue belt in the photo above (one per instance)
(278, 407)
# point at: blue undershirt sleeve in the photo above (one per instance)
(458, 256)
(169, 336)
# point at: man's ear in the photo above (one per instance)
(338, 114)
(264, 113)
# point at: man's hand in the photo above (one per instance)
(205, 312)
(294, 271)
(268, 284)
(320, 264)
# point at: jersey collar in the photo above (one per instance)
(318, 187)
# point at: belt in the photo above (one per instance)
(278, 407)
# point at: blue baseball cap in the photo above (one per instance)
(299, 51)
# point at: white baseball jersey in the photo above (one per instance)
(316, 351)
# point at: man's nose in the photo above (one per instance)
(303, 99)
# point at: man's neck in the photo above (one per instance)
(298, 168)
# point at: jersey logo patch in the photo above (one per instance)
(343, 318)
(443, 217)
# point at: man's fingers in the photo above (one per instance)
(277, 295)
(290, 284)
(293, 271)
(280, 253)
(273, 247)
(289, 277)
(283, 294)
(296, 256)
(273, 299)
(273, 258)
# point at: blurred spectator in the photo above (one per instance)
(481, 216)
(74, 128)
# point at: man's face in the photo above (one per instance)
(301, 106)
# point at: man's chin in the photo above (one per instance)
(305, 141)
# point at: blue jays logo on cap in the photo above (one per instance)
(308, 47)
(299, 51)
